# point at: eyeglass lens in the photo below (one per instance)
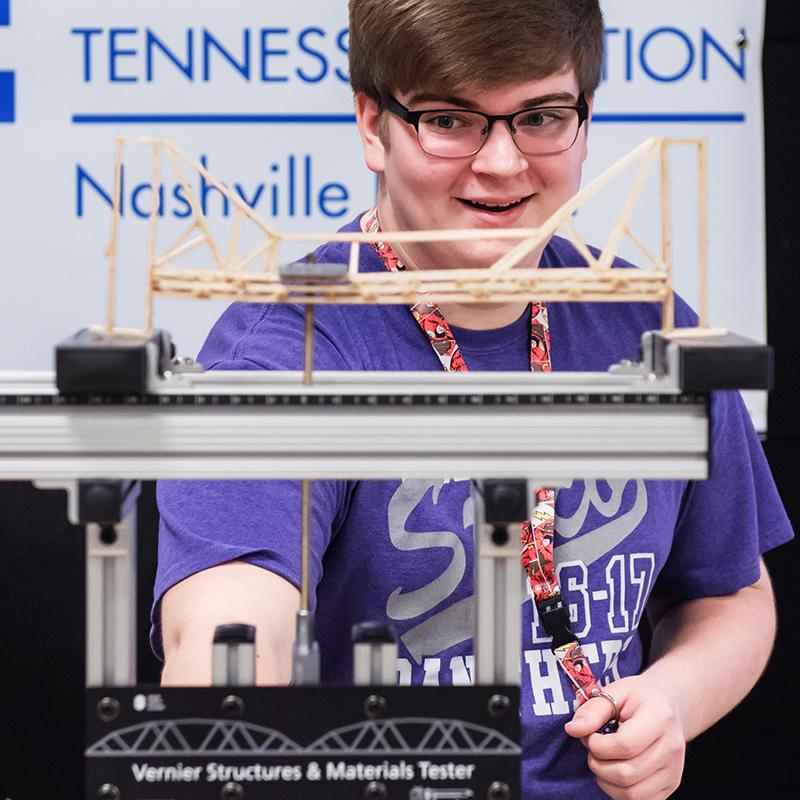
(461, 133)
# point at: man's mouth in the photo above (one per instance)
(494, 207)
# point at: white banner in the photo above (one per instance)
(259, 92)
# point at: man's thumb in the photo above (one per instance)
(590, 717)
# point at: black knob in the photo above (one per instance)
(499, 705)
(375, 706)
(499, 791)
(232, 706)
(375, 791)
(108, 709)
(231, 791)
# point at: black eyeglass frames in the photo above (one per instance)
(456, 132)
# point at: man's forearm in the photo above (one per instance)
(707, 654)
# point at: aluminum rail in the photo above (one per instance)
(235, 425)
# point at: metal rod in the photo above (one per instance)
(305, 544)
(308, 344)
(305, 653)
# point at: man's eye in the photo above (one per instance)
(534, 119)
(445, 122)
(540, 119)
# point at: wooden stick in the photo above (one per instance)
(668, 306)
(112, 251)
(352, 268)
(451, 235)
(654, 260)
(152, 239)
(610, 250)
(702, 230)
(172, 251)
(571, 232)
(171, 255)
(514, 256)
(271, 256)
(233, 242)
(232, 197)
(199, 219)
(254, 255)
(551, 225)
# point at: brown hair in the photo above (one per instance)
(450, 45)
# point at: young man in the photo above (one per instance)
(429, 79)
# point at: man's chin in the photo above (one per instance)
(478, 257)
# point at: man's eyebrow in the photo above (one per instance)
(433, 97)
(558, 98)
(555, 98)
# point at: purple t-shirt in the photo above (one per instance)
(401, 551)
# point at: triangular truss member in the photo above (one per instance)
(254, 275)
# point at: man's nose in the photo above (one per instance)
(500, 155)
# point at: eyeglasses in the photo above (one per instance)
(456, 132)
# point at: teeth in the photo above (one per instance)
(495, 206)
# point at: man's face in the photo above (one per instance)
(420, 191)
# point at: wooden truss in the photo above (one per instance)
(255, 276)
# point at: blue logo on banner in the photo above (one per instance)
(6, 78)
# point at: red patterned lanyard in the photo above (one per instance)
(537, 534)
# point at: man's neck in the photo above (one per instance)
(483, 316)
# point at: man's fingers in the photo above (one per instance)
(658, 786)
(635, 735)
(632, 771)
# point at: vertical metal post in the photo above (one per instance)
(111, 603)
(499, 582)
(374, 654)
(233, 655)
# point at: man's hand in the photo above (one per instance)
(706, 654)
(643, 760)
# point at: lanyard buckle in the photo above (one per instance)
(555, 618)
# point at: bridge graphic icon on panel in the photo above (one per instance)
(208, 737)
(416, 735)
(196, 737)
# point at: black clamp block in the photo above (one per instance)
(505, 501)
(104, 501)
(235, 633)
(705, 363)
(310, 271)
(96, 362)
(373, 633)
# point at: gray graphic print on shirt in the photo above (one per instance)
(454, 624)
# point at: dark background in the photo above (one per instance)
(754, 750)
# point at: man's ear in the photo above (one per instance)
(585, 144)
(368, 117)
